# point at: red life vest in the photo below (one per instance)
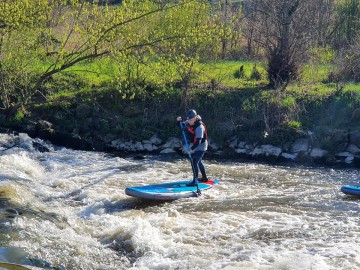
(191, 129)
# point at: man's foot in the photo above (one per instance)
(192, 184)
(203, 179)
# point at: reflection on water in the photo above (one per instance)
(68, 209)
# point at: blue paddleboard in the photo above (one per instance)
(168, 191)
(351, 190)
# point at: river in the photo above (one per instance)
(66, 209)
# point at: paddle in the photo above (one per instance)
(190, 157)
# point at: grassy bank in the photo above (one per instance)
(232, 97)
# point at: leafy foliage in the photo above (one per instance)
(148, 60)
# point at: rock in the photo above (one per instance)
(116, 143)
(249, 146)
(266, 150)
(172, 143)
(346, 157)
(45, 133)
(353, 149)
(300, 145)
(343, 154)
(30, 129)
(39, 147)
(354, 137)
(155, 140)
(242, 151)
(120, 144)
(168, 151)
(83, 111)
(241, 144)
(44, 129)
(70, 140)
(138, 147)
(318, 153)
(288, 156)
(246, 145)
(233, 143)
(319, 156)
(43, 124)
(148, 147)
(213, 145)
(349, 159)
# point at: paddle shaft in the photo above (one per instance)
(190, 157)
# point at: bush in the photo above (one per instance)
(239, 73)
(19, 116)
(293, 124)
(255, 74)
(348, 64)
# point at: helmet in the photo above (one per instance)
(191, 114)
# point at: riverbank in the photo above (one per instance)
(303, 150)
(296, 124)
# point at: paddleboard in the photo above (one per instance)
(351, 190)
(169, 191)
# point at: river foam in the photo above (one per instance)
(77, 216)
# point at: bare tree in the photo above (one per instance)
(347, 24)
(347, 64)
(324, 19)
(251, 32)
(286, 32)
(228, 14)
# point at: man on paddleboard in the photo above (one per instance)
(196, 129)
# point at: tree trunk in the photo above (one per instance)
(281, 67)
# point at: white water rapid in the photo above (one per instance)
(67, 209)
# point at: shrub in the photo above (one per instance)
(293, 124)
(239, 73)
(19, 116)
(255, 74)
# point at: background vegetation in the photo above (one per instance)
(283, 68)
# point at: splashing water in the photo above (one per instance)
(68, 208)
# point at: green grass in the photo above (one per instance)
(106, 74)
(97, 72)
(309, 92)
(306, 104)
(106, 71)
(223, 72)
(355, 87)
(314, 73)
